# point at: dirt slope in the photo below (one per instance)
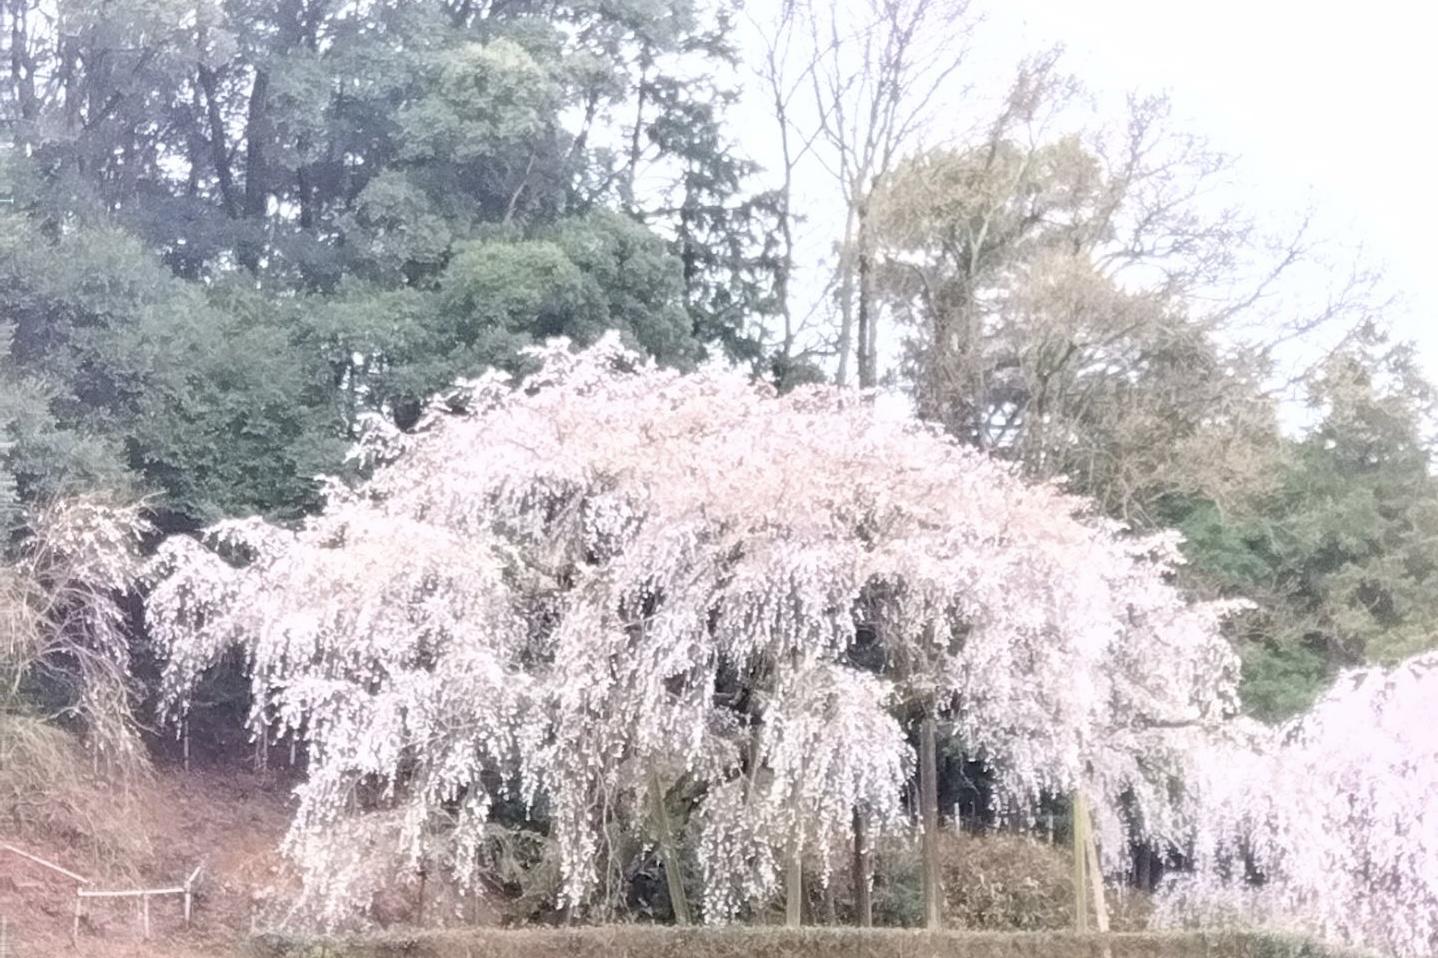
(151, 834)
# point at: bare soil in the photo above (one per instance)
(155, 833)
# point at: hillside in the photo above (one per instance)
(151, 834)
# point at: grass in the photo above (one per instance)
(48, 785)
(641, 941)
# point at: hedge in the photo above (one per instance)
(657, 941)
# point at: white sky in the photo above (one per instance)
(1328, 104)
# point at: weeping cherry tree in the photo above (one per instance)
(1327, 825)
(614, 589)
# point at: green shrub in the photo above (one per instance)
(1007, 882)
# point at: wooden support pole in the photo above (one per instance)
(145, 917)
(1095, 873)
(673, 873)
(793, 887)
(1080, 852)
(1100, 904)
(863, 873)
(929, 819)
(75, 929)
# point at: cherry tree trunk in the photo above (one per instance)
(929, 820)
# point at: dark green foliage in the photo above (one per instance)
(1339, 550)
(135, 376)
(231, 231)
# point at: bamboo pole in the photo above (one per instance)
(78, 879)
(131, 892)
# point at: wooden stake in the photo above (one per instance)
(190, 891)
(145, 917)
(75, 929)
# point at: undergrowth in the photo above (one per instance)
(50, 786)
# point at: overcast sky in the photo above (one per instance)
(1327, 107)
(1326, 103)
